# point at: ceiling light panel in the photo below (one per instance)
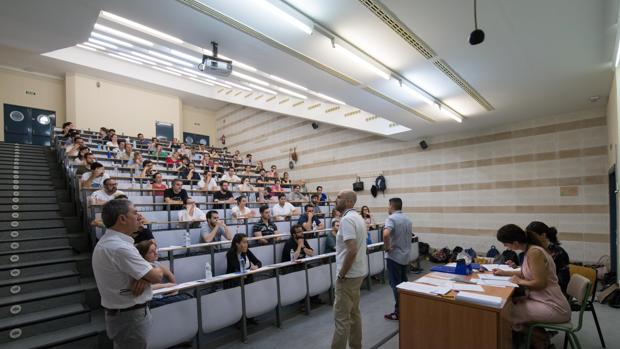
(103, 43)
(327, 98)
(359, 59)
(110, 39)
(124, 58)
(249, 78)
(291, 93)
(87, 47)
(166, 71)
(151, 58)
(287, 14)
(120, 34)
(90, 44)
(286, 82)
(194, 59)
(170, 58)
(137, 26)
(135, 58)
(202, 81)
(262, 89)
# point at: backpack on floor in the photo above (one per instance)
(471, 252)
(441, 256)
(492, 252)
(507, 255)
(455, 253)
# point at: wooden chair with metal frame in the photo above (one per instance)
(590, 274)
(578, 288)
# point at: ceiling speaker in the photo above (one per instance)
(315, 125)
(423, 145)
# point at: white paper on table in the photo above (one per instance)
(482, 299)
(505, 267)
(494, 277)
(416, 287)
(498, 283)
(434, 281)
(467, 287)
(441, 290)
(453, 264)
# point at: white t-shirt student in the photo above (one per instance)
(185, 216)
(285, 210)
(240, 214)
(97, 182)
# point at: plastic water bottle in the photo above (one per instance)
(293, 258)
(208, 273)
(241, 264)
(187, 239)
(116, 171)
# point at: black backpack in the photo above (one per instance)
(440, 256)
(380, 184)
(455, 253)
(493, 252)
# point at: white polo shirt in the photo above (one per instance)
(116, 262)
(352, 227)
(101, 195)
(278, 210)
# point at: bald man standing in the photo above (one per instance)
(351, 269)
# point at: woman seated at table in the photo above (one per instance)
(191, 213)
(246, 186)
(543, 300)
(549, 238)
(238, 250)
(276, 187)
(285, 178)
(158, 185)
(241, 211)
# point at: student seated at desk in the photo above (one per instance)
(549, 238)
(215, 230)
(191, 214)
(543, 300)
(265, 226)
(176, 195)
(239, 249)
(158, 185)
(330, 239)
(241, 211)
(190, 175)
(298, 244)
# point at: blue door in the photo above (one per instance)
(164, 130)
(28, 125)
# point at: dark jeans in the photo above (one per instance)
(397, 273)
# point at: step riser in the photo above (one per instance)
(31, 257)
(35, 233)
(27, 194)
(22, 200)
(26, 216)
(36, 286)
(29, 207)
(44, 304)
(17, 246)
(47, 326)
(39, 270)
(31, 224)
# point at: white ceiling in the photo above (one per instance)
(539, 57)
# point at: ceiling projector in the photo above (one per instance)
(214, 64)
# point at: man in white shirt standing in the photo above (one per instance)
(351, 269)
(123, 277)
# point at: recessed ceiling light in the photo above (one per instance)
(102, 43)
(166, 71)
(202, 81)
(123, 58)
(171, 59)
(87, 43)
(135, 57)
(250, 78)
(291, 93)
(140, 27)
(262, 89)
(184, 55)
(147, 57)
(339, 46)
(328, 98)
(123, 35)
(287, 14)
(286, 82)
(87, 47)
(110, 39)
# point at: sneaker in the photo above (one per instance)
(391, 316)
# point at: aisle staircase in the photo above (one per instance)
(48, 297)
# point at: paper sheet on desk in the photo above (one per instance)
(467, 287)
(449, 284)
(434, 281)
(482, 299)
(495, 283)
(494, 277)
(505, 267)
(416, 287)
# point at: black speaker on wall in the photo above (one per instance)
(423, 145)
(315, 125)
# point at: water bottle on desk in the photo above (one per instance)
(293, 258)
(208, 272)
(187, 239)
(242, 265)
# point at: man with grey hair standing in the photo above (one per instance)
(123, 277)
(351, 269)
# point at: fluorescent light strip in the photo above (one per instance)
(294, 94)
(454, 116)
(285, 16)
(90, 44)
(286, 82)
(140, 27)
(135, 57)
(262, 89)
(87, 47)
(201, 81)
(149, 58)
(418, 94)
(250, 78)
(123, 35)
(199, 73)
(238, 86)
(103, 43)
(182, 72)
(617, 56)
(124, 58)
(171, 59)
(328, 98)
(221, 84)
(361, 61)
(110, 39)
(186, 56)
(239, 64)
(167, 71)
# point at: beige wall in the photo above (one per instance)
(127, 109)
(49, 93)
(200, 121)
(466, 185)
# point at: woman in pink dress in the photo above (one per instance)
(543, 300)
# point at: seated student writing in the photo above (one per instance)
(544, 300)
(549, 238)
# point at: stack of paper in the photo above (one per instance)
(505, 267)
(442, 283)
(467, 287)
(494, 277)
(416, 287)
(496, 283)
(482, 299)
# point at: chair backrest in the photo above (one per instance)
(579, 288)
(587, 272)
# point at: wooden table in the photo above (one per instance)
(429, 321)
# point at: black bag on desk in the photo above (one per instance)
(358, 185)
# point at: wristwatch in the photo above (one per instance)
(341, 277)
